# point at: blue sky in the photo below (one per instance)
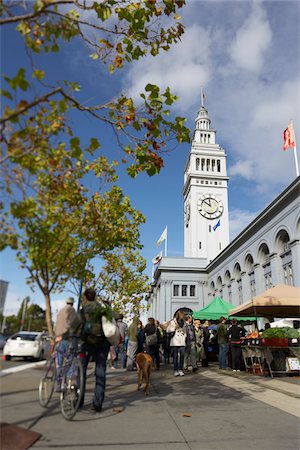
(246, 57)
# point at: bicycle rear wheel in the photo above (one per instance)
(71, 389)
(47, 382)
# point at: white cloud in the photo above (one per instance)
(185, 68)
(238, 220)
(252, 40)
(243, 169)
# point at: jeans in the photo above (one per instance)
(62, 348)
(100, 353)
(121, 355)
(190, 355)
(153, 351)
(223, 356)
(180, 351)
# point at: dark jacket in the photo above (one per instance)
(150, 329)
(235, 333)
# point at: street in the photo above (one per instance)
(207, 410)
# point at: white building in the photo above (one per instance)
(265, 253)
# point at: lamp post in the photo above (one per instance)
(25, 303)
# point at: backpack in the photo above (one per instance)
(92, 332)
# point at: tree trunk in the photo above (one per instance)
(48, 314)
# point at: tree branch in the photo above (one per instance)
(29, 106)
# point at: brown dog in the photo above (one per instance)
(144, 364)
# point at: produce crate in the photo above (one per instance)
(251, 342)
(275, 342)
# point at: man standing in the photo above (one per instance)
(121, 348)
(190, 348)
(95, 345)
(63, 321)
(222, 337)
(132, 343)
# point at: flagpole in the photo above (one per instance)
(295, 152)
(296, 161)
(166, 241)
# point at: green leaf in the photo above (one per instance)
(6, 94)
(38, 74)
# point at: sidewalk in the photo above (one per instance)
(211, 409)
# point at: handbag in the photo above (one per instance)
(110, 330)
(151, 339)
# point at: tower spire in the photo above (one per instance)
(202, 97)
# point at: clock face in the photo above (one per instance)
(210, 206)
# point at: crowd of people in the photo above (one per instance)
(182, 341)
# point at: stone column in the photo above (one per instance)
(276, 269)
(295, 250)
(245, 287)
(168, 303)
(162, 302)
(259, 279)
(234, 292)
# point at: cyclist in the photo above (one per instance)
(63, 322)
(95, 345)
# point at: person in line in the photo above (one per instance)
(140, 338)
(206, 336)
(199, 337)
(132, 345)
(151, 338)
(222, 338)
(63, 321)
(235, 333)
(177, 343)
(120, 349)
(190, 347)
(95, 345)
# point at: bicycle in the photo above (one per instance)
(68, 379)
(49, 378)
(71, 390)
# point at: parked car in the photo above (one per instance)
(2, 341)
(27, 344)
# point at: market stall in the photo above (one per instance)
(276, 350)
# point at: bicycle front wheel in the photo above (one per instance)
(47, 382)
(71, 389)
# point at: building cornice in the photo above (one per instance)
(291, 193)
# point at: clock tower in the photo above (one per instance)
(206, 227)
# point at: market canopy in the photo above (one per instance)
(279, 301)
(217, 308)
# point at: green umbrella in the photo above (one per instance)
(217, 308)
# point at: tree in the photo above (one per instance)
(122, 278)
(49, 216)
(123, 32)
(64, 226)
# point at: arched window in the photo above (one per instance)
(249, 267)
(197, 163)
(237, 275)
(208, 164)
(283, 248)
(213, 165)
(218, 165)
(202, 164)
(263, 258)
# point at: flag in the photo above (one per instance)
(157, 258)
(162, 238)
(217, 225)
(289, 137)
